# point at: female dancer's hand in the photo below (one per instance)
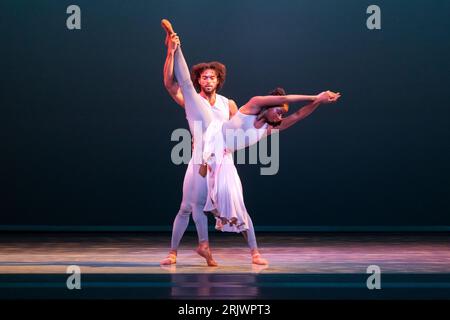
(328, 97)
(174, 42)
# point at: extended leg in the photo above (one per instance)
(196, 108)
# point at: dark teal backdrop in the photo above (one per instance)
(85, 121)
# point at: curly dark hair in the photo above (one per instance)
(218, 67)
(277, 92)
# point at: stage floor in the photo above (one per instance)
(296, 261)
(325, 253)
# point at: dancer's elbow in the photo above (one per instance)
(266, 101)
(169, 85)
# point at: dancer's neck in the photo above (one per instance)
(211, 97)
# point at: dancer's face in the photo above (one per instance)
(208, 81)
(275, 115)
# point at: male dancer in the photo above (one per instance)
(207, 78)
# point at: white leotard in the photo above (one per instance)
(240, 132)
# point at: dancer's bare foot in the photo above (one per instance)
(170, 259)
(256, 268)
(203, 250)
(256, 258)
(167, 26)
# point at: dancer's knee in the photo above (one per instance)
(184, 211)
(198, 214)
(187, 86)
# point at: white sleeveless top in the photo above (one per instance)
(240, 132)
(220, 109)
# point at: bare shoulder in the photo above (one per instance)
(233, 107)
(231, 102)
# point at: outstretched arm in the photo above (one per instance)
(298, 115)
(169, 79)
(324, 97)
(255, 104)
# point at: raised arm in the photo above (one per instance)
(169, 79)
(255, 104)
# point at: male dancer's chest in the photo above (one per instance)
(220, 109)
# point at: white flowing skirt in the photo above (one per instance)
(225, 196)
